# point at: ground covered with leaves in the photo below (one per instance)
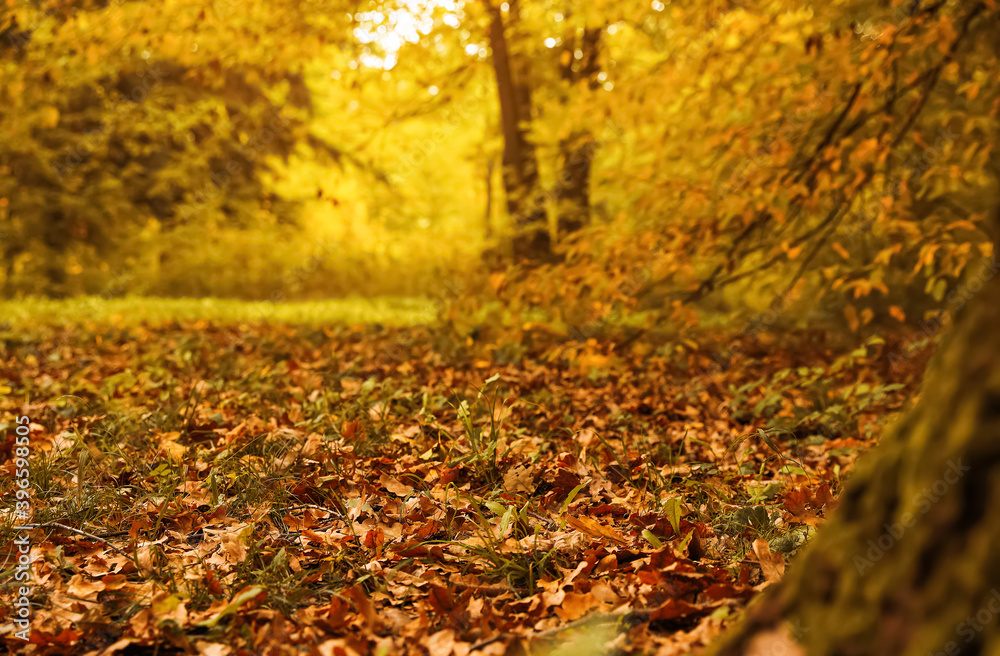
(266, 489)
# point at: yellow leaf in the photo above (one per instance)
(885, 255)
(964, 224)
(49, 117)
(927, 254)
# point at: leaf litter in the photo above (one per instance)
(221, 489)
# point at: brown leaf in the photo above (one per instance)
(519, 479)
(772, 564)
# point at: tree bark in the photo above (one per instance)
(908, 563)
(573, 190)
(520, 161)
(488, 213)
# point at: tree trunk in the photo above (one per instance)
(577, 151)
(908, 564)
(488, 214)
(520, 162)
(573, 190)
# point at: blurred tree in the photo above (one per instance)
(833, 160)
(846, 154)
(537, 86)
(754, 151)
(520, 161)
(124, 125)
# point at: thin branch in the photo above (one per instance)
(80, 532)
(838, 214)
(801, 239)
(828, 137)
(929, 78)
(936, 74)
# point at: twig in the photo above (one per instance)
(806, 167)
(310, 505)
(918, 106)
(807, 260)
(80, 532)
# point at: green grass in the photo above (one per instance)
(390, 311)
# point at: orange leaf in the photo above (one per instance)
(852, 318)
(841, 250)
(594, 528)
(350, 429)
(498, 280)
(49, 117)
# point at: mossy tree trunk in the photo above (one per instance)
(910, 562)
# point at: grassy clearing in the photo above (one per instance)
(389, 311)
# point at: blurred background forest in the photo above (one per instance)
(570, 288)
(578, 165)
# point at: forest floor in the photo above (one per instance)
(220, 487)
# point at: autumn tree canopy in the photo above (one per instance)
(836, 155)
